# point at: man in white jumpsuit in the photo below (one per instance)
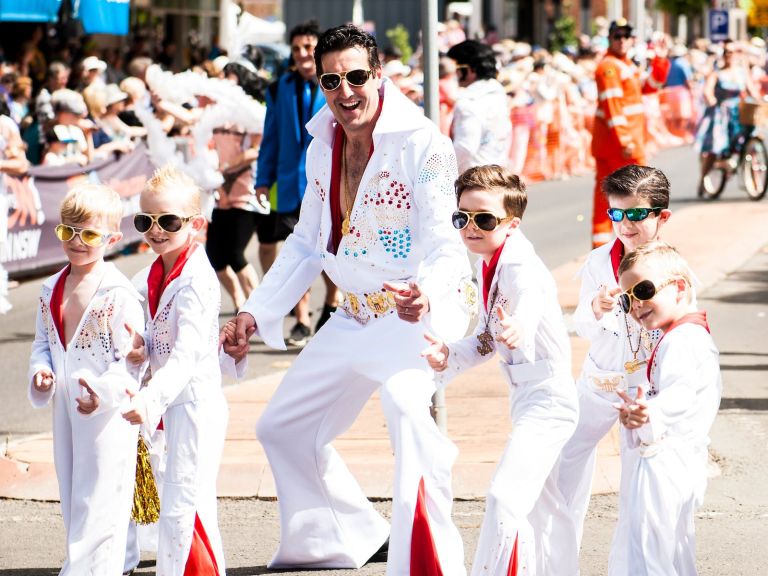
(376, 217)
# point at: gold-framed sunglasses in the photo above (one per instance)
(88, 236)
(167, 222)
(487, 221)
(330, 81)
(642, 291)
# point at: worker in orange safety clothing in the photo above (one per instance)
(619, 132)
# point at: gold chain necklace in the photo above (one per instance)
(485, 337)
(633, 365)
(345, 224)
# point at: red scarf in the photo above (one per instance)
(155, 283)
(699, 318)
(617, 253)
(489, 270)
(56, 305)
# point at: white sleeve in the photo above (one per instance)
(587, 326)
(40, 359)
(466, 130)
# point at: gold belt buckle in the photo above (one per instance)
(607, 384)
(380, 302)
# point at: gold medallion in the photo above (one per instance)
(345, 226)
(632, 366)
(485, 339)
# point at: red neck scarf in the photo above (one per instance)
(617, 253)
(336, 160)
(699, 318)
(489, 270)
(155, 283)
(57, 308)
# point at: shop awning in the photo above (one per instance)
(102, 16)
(29, 10)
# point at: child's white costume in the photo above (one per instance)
(185, 389)
(94, 454)
(668, 479)
(400, 231)
(619, 349)
(526, 529)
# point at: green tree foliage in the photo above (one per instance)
(682, 7)
(564, 31)
(398, 37)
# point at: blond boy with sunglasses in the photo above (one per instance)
(525, 529)
(638, 200)
(82, 335)
(667, 423)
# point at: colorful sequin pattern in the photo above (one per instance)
(320, 190)
(439, 166)
(50, 327)
(161, 333)
(95, 337)
(495, 323)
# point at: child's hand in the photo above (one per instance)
(137, 353)
(43, 380)
(511, 335)
(235, 334)
(605, 300)
(136, 413)
(89, 404)
(436, 353)
(634, 412)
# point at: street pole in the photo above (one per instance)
(429, 58)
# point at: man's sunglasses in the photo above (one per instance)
(166, 222)
(88, 236)
(643, 290)
(330, 81)
(632, 214)
(487, 221)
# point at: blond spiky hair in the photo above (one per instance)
(172, 180)
(663, 256)
(92, 201)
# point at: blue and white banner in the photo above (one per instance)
(30, 10)
(103, 16)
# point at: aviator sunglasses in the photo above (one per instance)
(88, 236)
(643, 290)
(632, 214)
(487, 221)
(166, 222)
(330, 81)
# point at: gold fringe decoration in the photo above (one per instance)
(146, 502)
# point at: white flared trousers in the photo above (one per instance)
(326, 521)
(524, 502)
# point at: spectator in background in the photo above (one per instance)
(678, 94)
(112, 124)
(136, 91)
(21, 96)
(56, 79)
(481, 130)
(92, 72)
(448, 89)
(291, 101)
(71, 125)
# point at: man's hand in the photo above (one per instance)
(436, 353)
(634, 412)
(136, 412)
(235, 334)
(605, 300)
(43, 380)
(136, 353)
(412, 305)
(89, 404)
(512, 334)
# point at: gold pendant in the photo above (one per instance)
(485, 339)
(345, 226)
(632, 366)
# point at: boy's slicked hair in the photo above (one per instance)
(343, 37)
(92, 201)
(664, 256)
(494, 177)
(171, 179)
(642, 181)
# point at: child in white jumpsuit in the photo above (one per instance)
(78, 360)
(183, 299)
(526, 529)
(668, 423)
(638, 197)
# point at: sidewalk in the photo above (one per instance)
(715, 238)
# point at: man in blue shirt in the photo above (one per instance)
(291, 101)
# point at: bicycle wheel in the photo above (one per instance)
(754, 168)
(713, 183)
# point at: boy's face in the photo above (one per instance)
(481, 242)
(81, 254)
(164, 243)
(635, 234)
(669, 302)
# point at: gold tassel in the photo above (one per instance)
(146, 502)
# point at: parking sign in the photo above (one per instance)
(718, 25)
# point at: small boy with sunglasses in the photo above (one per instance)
(638, 199)
(525, 527)
(668, 422)
(82, 335)
(181, 335)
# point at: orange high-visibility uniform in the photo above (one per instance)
(619, 122)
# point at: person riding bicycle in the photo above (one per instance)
(720, 129)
